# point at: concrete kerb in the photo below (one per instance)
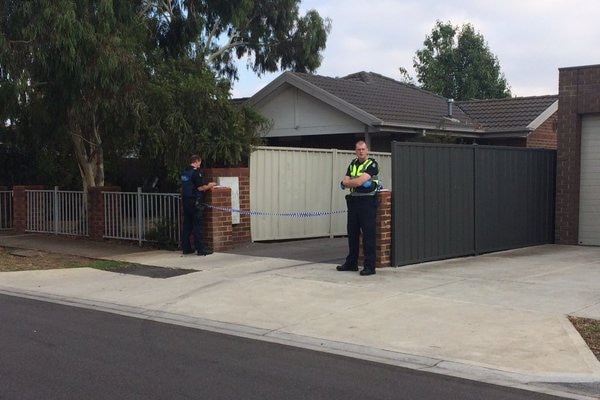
(581, 387)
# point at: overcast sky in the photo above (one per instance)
(531, 38)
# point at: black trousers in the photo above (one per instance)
(192, 223)
(362, 213)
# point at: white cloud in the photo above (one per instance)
(531, 38)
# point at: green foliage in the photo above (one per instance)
(93, 81)
(163, 233)
(457, 63)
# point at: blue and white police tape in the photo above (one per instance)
(302, 214)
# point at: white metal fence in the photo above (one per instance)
(6, 209)
(57, 211)
(142, 216)
(305, 181)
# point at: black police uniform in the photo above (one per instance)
(362, 212)
(191, 179)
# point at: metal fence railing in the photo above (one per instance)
(152, 217)
(57, 211)
(6, 209)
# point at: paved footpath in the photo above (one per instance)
(499, 318)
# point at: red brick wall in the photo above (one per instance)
(240, 232)
(578, 93)
(20, 206)
(384, 230)
(544, 136)
(96, 220)
(217, 223)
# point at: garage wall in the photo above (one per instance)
(578, 97)
(589, 194)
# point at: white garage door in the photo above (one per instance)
(589, 196)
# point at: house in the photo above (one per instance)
(316, 111)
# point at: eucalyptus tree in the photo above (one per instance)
(147, 78)
(70, 68)
(456, 62)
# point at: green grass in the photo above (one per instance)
(103, 265)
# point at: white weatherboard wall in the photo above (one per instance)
(299, 180)
(295, 113)
(589, 195)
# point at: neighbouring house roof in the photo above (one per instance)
(376, 100)
(517, 114)
(393, 102)
(387, 104)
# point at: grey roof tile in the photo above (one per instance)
(394, 102)
(510, 114)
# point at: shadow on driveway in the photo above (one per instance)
(322, 250)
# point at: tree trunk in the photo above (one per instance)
(90, 158)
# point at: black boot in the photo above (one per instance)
(367, 271)
(346, 267)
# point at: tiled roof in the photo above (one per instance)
(393, 102)
(507, 115)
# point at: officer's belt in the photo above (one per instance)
(357, 194)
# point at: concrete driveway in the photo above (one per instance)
(499, 318)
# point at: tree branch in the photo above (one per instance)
(212, 34)
(230, 45)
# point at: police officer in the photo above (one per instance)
(192, 191)
(361, 179)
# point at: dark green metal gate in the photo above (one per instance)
(455, 200)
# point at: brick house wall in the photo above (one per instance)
(545, 136)
(578, 94)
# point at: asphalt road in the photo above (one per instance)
(51, 351)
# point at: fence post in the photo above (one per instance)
(217, 223)
(20, 206)
(96, 214)
(240, 233)
(334, 189)
(55, 211)
(384, 230)
(140, 216)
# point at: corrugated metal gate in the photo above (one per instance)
(302, 181)
(452, 200)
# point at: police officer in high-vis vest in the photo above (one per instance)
(361, 179)
(192, 193)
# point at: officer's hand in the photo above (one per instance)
(367, 184)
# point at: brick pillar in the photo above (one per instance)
(240, 232)
(20, 206)
(578, 94)
(96, 213)
(217, 223)
(383, 235)
(384, 230)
